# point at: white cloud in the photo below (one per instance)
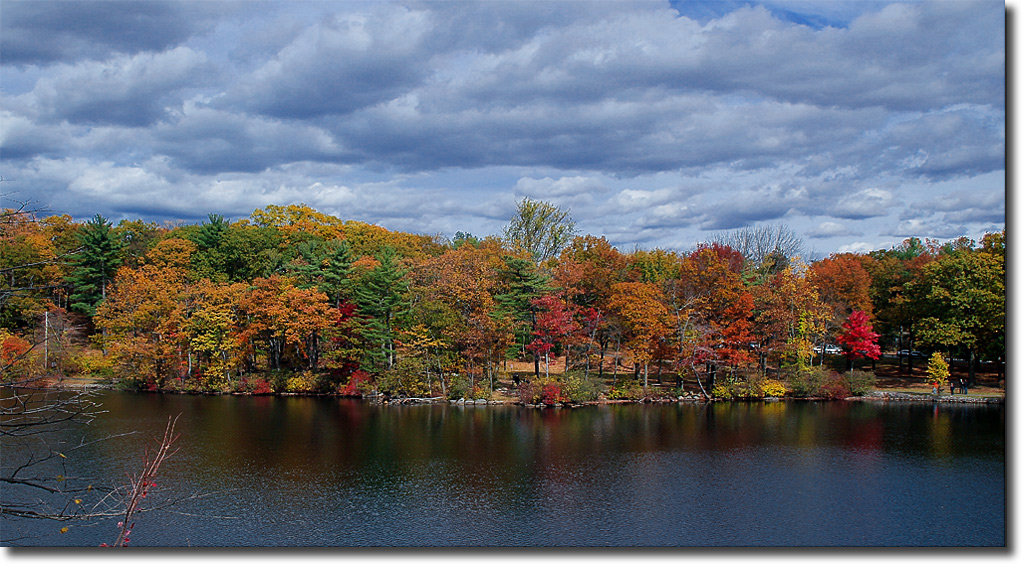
(871, 202)
(859, 247)
(564, 186)
(832, 229)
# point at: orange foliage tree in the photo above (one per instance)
(712, 310)
(644, 313)
(287, 322)
(844, 285)
(138, 318)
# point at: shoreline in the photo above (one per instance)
(883, 396)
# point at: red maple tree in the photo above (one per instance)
(555, 323)
(857, 339)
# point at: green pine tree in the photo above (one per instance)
(381, 299)
(94, 265)
(209, 260)
(523, 284)
(328, 266)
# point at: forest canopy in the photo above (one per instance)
(295, 300)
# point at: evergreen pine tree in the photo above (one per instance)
(380, 296)
(209, 261)
(524, 283)
(337, 272)
(94, 265)
(328, 266)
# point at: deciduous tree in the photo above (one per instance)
(641, 305)
(963, 302)
(540, 229)
(556, 325)
(857, 339)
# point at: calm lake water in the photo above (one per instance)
(297, 471)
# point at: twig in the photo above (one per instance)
(141, 485)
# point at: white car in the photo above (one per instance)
(828, 349)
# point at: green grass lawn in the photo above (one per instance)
(926, 390)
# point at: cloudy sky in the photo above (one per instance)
(657, 124)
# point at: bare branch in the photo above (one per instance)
(140, 486)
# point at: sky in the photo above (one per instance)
(657, 124)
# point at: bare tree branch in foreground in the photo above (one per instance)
(140, 486)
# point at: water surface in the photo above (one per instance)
(293, 471)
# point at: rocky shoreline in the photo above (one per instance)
(885, 396)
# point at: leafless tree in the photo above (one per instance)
(768, 248)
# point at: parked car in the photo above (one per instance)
(828, 349)
(908, 353)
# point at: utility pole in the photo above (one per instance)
(46, 340)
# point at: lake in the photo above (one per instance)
(297, 471)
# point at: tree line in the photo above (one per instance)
(294, 300)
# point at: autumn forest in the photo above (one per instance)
(291, 300)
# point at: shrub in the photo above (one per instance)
(807, 382)
(627, 390)
(835, 389)
(406, 378)
(258, 385)
(130, 384)
(551, 394)
(279, 381)
(14, 354)
(742, 388)
(576, 388)
(750, 388)
(860, 383)
(357, 384)
(772, 387)
(216, 382)
(459, 387)
(721, 391)
(303, 382)
(529, 392)
(189, 385)
(93, 364)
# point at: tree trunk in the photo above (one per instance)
(910, 353)
(615, 362)
(971, 361)
(700, 384)
(899, 352)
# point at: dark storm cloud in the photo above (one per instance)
(124, 90)
(205, 140)
(38, 33)
(650, 120)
